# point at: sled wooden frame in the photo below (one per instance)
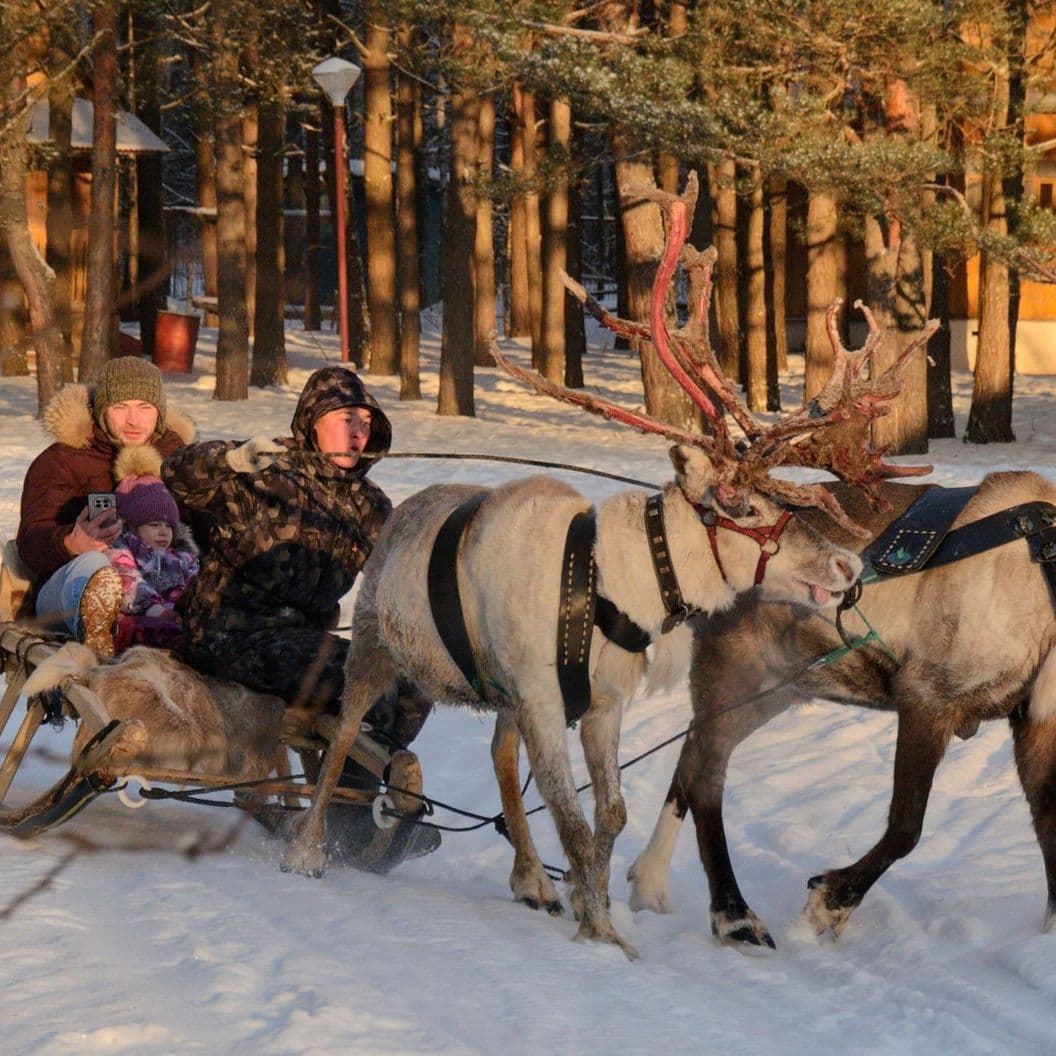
(109, 758)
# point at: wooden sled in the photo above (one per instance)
(109, 758)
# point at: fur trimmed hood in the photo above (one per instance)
(68, 419)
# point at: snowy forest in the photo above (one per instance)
(894, 152)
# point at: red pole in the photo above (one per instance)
(342, 253)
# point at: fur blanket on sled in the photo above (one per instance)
(189, 721)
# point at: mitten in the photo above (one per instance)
(255, 455)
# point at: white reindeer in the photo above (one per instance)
(725, 536)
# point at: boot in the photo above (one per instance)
(99, 609)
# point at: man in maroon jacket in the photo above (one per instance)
(61, 542)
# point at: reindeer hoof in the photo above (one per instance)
(746, 929)
(307, 861)
(552, 906)
(821, 913)
(648, 891)
(605, 933)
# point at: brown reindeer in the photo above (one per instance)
(959, 644)
(724, 530)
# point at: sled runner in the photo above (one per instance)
(119, 753)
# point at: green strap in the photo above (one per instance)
(842, 650)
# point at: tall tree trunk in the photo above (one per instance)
(250, 146)
(533, 224)
(822, 288)
(484, 320)
(990, 417)
(456, 283)
(232, 346)
(407, 226)
(97, 341)
(575, 327)
(269, 334)
(722, 176)
(940, 395)
(31, 270)
(895, 291)
(520, 309)
(293, 204)
(755, 299)
(555, 234)
(59, 221)
(377, 179)
(152, 271)
(312, 232)
(14, 338)
(205, 181)
(778, 256)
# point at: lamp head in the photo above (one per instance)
(336, 77)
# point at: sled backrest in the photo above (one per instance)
(16, 584)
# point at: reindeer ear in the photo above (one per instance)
(694, 470)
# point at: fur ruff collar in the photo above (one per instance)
(68, 419)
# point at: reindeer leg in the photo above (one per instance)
(543, 731)
(921, 743)
(528, 881)
(369, 675)
(600, 734)
(1034, 742)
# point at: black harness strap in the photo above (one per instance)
(575, 621)
(444, 598)
(619, 628)
(667, 581)
(909, 543)
(920, 539)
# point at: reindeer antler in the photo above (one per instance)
(831, 433)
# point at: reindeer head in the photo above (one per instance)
(755, 541)
(831, 433)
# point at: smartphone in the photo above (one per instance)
(98, 501)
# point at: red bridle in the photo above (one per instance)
(766, 537)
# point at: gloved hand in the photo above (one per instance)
(254, 455)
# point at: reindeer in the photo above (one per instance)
(726, 531)
(940, 663)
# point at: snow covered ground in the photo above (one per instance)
(134, 948)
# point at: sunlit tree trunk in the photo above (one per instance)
(822, 288)
(555, 234)
(520, 310)
(484, 320)
(722, 179)
(379, 192)
(99, 303)
(755, 301)
(232, 346)
(269, 335)
(456, 280)
(32, 272)
(407, 227)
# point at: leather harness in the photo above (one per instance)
(921, 538)
(581, 607)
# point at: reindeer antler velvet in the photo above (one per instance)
(831, 433)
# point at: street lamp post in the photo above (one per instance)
(336, 77)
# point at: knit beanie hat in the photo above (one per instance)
(141, 500)
(129, 378)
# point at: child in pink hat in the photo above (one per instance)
(155, 554)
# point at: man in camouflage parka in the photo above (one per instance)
(291, 529)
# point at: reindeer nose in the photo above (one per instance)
(849, 567)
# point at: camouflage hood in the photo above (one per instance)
(329, 389)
